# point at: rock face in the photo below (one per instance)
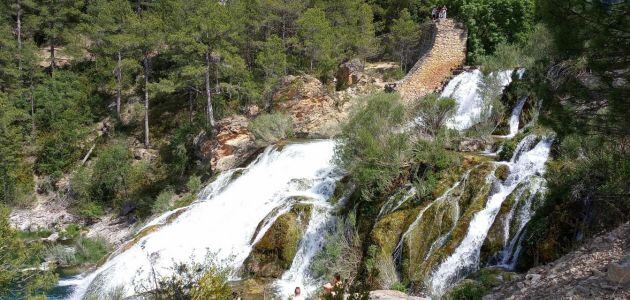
(349, 73)
(274, 253)
(305, 100)
(233, 144)
(597, 270)
(444, 48)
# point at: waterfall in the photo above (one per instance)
(527, 163)
(515, 117)
(224, 220)
(465, 88)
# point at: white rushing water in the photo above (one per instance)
(515, 117)
(527, 162)
(465, 88)
(224, 220)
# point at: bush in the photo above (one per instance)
(341, 253)
(163, 201)
(194, 184)
(197, 281)
(90, 250)
(372, 149)
(432, 112)
(271, 128)
(110, 175)
(61, 254)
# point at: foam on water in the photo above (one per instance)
(527, 162)
(225, 218)
(465, 89)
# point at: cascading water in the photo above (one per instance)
(515, 117)
(224, 221)
(466, 89)
(527, 163)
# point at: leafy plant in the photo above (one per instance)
(271, 128)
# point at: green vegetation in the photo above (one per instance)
(271, 128)
(20, 273)
(433, 112)
(478, 284)
(371, 151)
(342, 251)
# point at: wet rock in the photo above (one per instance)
(274, 253)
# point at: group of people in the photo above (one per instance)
(438, 13)
(330, 288)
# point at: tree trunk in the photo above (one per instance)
(145, 62)
(19, 34)
(52, 56)
(118, 84)
(210, 113)
(190, 105)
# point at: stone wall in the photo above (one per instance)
(444, 49)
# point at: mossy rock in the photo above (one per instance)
(447, 221)
(274, 253)
(502, 172)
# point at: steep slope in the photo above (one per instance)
(598, 270)
(444, 49)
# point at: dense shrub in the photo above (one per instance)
(163, 201)
(90, 250)
(342, 251)
(373, 149)
(432, 112)
(271, 128)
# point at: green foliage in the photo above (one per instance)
(163, 201)
(62, 114)
(15, 173)
(194, 184)
(90, 250)
(316, 35)
(197, 281)
(588, 190)
(372, 151)
(342, 251)
(432, 112)
(397, 286)
(405, 35)
(271, 128)
(110, 175)
(20, 274)
(469, 290)
(71, 231)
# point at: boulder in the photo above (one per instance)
(349, 73)
(232, 145)
(274, 253)
(471, 145)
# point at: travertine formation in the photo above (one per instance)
(444, 49)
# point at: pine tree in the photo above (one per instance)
(316, 35)
(405, 34)
(57, 21)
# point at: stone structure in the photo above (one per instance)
(443, 50)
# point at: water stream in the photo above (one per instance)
(224, 220)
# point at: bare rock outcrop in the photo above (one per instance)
(596, 270)
(232, 145)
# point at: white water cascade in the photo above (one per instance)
(527, 163)
(515, 117)
(224, 220)
(465, 88)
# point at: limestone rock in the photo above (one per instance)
(274, 253)
(349, 73)
(232, 146)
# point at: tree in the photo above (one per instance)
(432, 112)
(147, 32)
(316, 35)
(111, 40)
(20, 272)
(57, 20)
(405, 34)
(15, 173)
